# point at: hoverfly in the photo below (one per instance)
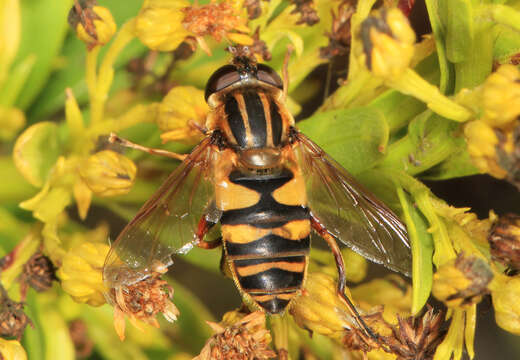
(269, 187)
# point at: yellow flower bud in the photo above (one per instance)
(388, 43)
(319, 309)
(501, 96)
(181, 112)
(11, 350)
(94, 25)
(482, 143)
(505, 292)
(159, 24)
(81, 273)
(12, 121)
(108, 173)
(462, 281)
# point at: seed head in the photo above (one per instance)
(12, 317)
(307, 11)
(142, 301)
(245, 339)
(504, 241)
(38, 272)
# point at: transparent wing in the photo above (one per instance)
(166, 223)
(350, 212)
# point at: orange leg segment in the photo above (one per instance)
(202, 229)
(342, 280)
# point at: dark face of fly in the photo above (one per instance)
(247, 101)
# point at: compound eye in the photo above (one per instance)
(222, 78)
(269, 76)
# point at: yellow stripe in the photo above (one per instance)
(258, 268)
(243, 112)
(267, 113)
(243, 234)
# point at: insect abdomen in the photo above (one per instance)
(268, 243)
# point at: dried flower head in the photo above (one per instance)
(108, 173)
(94, 24)
(254, 8)
(82, 343)
(387, 39)
(39, 272)
(219, 20)
(339, 36)
(307, 11)
(142, 301)
(462, 281)
(245, 339)
(504, 241)
(13, 319)
(417, 337)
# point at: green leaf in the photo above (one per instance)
(458, 18)
(356, 138)
(58, 344)
(36, 151)
(507, 43)
(422, 251)
(44, 24)
(430, 140)
(16, 81)
(458, 164)
(33, 337)
(14, 186)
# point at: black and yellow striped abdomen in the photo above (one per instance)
(266, 237)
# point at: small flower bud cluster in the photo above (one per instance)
(94, 25)
(504, 241)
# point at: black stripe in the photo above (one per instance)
(269, 245)
(276, 123)
(267, 213)
(289, 259)
(274, 306)
(256, 117)
(271, 280)
(235, 121)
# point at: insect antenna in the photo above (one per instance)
(114, 139)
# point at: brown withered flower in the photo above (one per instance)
(504, 241)
(82, 343)
(356, 339)
(254, 10)
(13, 320)
(39, 272)
(259, 47)
(416, 338)
(307, 11)
(244, 340)
(462, 281)
(340, 35)
(142, 301)
(92, 23)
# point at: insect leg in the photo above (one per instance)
(342, 280)
(285, 71)
(202, 229)
(114, 139)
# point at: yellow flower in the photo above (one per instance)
(12, 120)
(482, 142)
(81, 273)
(388, 43)
(94, 25)
(501, 96)
(462, 282)
(12, 350)
(108, 173)
(181, 112)
(159, 24)
(505, 292)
